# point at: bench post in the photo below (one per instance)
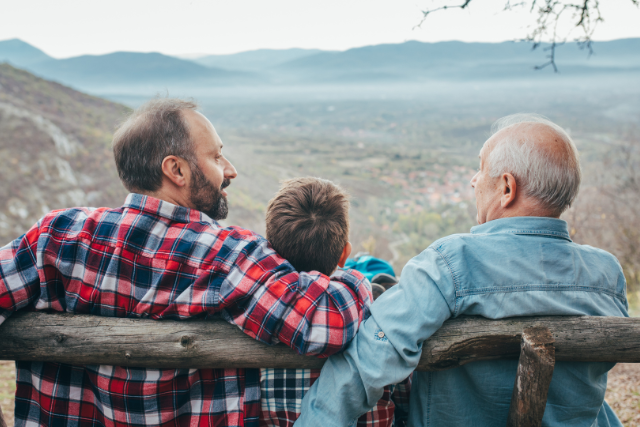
(535, 369)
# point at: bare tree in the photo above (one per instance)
(583, 16)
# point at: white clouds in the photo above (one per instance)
(71, 27)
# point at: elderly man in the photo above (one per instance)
(162, 255)
(520, 261)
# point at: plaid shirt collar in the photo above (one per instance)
(165, 209)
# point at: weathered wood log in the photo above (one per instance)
(577, 338)
(533, 378)
(83, 339)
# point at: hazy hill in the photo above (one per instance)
(132, 73)
(255, 60)
(129, 68)
(55, 150)
(20, 53)
(458, 60)
(118, 71)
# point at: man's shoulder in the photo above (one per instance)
(242, 233)
(151, 234)
(599, 254)
(452, 242)
(78, 215)
(69, 217)
(456, 241)
(481, 248)
(237, 239)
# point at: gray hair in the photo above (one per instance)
(155, 130)
(551, 177)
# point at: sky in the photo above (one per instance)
(65, 28)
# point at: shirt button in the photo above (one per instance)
(380, 334)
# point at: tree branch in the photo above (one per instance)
(585, 16)
(552, 57)
(426, 13)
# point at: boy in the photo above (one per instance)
(308, 224)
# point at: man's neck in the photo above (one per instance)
(523, 208)
(523, 212)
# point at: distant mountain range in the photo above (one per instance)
(457, 60)
(119, 69)
(21, 54)
(255, 60)
(127, 67)
(405, 62)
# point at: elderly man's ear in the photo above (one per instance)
(508, 190)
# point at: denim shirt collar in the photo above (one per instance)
(165, 209)
(541, 226)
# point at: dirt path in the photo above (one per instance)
(623, 393)
(7, 389)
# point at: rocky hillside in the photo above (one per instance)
(54, 150)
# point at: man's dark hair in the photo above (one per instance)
(152, 132)
(308, 223)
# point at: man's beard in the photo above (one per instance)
(206, 197)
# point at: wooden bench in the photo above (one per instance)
(537, 341)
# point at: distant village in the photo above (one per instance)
(425, 190)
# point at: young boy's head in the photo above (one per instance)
(308, 224)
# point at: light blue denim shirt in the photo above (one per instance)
(508, 267)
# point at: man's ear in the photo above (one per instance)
(345, 254)
(509, 190)
(176, 170)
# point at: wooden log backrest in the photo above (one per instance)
(537, 341)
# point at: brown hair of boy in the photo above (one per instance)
(308, 224)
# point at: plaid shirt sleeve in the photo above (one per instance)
(63, 264)
(401, 396)
(309, 312)
(151, 259)
(19, 281)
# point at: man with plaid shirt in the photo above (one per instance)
(162, 255)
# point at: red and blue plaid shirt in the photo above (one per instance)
(150, 258)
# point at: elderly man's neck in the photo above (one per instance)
(525, 207)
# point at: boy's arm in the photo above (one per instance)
(309, 312)
(19, 279)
